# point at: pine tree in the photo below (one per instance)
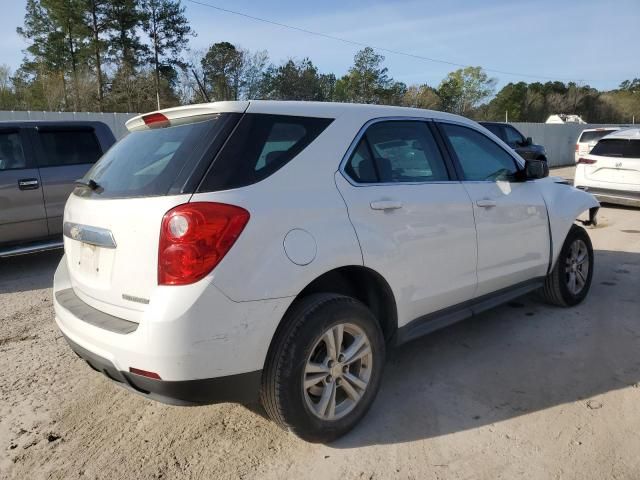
(123, 20)
(67, 17)
(97, 21)
(45, 55)
(168, 30)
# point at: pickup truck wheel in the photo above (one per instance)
(570, 280)
(324, 367)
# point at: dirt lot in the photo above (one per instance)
(524, 391)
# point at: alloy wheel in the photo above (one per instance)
(577, 267)
(337, 371)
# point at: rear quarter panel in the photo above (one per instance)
(301, 195)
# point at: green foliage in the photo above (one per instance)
(222, 67)
(129, 55)
(422, 96)
(534, 102)
(168, 30)
(368, 81)
(124, 17)
(465, 89)
(298, 81)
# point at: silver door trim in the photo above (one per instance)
(100, 237)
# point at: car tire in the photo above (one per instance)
(301, 354)
(569, 282)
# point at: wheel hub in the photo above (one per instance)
(337, 370)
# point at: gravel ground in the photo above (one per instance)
(523, 391)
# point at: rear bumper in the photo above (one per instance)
(607, 195)
(205, 347)
(241, 388)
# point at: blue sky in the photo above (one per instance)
(590, 41)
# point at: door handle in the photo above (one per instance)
(486, 203)
(386, 205)
(28, 184)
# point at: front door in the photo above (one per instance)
(510, 214)
(415, 225)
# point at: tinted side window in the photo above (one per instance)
(11, 153)
(360, 166)
(68, 147)
(497, 130)
(514, 139)
(260, 145)
(402, 152)
(479, 156)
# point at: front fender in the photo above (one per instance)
(564, 204)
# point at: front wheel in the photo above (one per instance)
(324, 368)
(570, 280)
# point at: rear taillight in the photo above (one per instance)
(577, 147)
(194, 237)
(586, 161)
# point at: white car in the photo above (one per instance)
(611, 171)
(588, 139)
(237, 251)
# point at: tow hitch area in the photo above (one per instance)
(593, 221)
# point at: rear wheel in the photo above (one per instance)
(570, 280)
(324, 368)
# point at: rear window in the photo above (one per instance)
(68, 147)
(149, 162)
(617, 148)
(260, 145)
(593, 136)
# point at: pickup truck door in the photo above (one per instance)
(510, 215)
(22, 213)
(64, 155)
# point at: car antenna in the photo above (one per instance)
(203, 92)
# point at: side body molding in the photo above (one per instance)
(564, 204)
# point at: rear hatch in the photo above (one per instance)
(113, 218)
(615, 160)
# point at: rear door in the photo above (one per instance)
(22, 213)
(510, 215)
(413, 220)
(64, 155)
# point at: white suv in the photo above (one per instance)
(611, 171)
(238, 251)
(588, 139)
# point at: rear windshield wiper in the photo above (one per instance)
(91, 184)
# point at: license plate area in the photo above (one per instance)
(92, 265)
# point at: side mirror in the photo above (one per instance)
(528, 141)
(534, 169)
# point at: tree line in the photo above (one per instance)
(133, 56)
